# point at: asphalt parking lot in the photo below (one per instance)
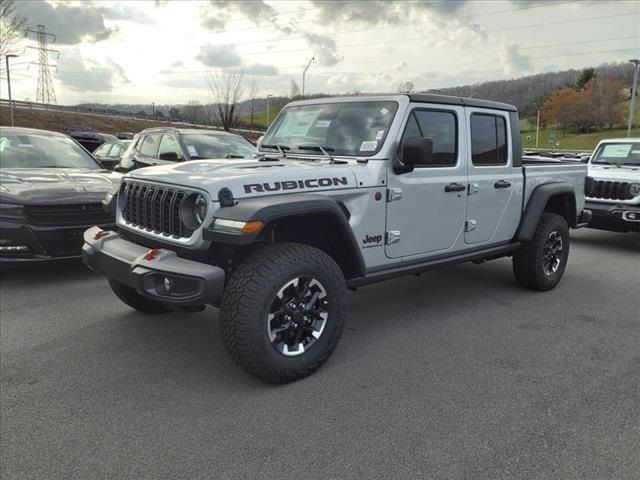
(456, 374)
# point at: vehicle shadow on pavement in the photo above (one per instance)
(607, 240)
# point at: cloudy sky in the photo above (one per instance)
(145, 51)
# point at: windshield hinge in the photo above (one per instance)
(394, 194)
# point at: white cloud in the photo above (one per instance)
(513, 62)
(219, 56)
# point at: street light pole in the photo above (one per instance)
(538, 128)
(636, 63)
(7, 57)
(268, 115)
(304, 73)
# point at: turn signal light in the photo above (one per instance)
(252, 226)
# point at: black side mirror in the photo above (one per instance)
(415, 151)
(169, 156)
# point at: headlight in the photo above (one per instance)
(237, 227)
(200, 208)
(634, 189)
(9, 210)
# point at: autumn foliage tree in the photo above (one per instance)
(595, 106)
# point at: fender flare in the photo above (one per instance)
(277, 207)
(536, 205)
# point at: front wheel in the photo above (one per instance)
(540, 264)
(283, 312)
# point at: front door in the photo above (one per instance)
(426, 207)
(495, 185)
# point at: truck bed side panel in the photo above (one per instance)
(571, 173)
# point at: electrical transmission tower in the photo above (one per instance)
(45, 92)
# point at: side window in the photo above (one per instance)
(116, 150)
(150, 145)
(488, 139)
(442, 128)
(169, 145)
(102, 150)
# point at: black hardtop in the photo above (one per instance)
(467, 102)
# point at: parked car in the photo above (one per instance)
(92, 140)
(125, 135)
(109, 154)
(51, 190)
(613, 185)
(345, 192)
(165, 146)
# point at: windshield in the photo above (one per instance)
(618, 154)
(211, 145)
(351, 129)
(32, 150)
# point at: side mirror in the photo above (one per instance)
(169, 156)
(415, 151)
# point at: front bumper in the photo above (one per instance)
(27, 244)
(158, 274)
(614, 217)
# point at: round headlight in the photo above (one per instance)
(200, 208)
(634, 189)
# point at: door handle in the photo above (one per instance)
(455, 187)
(502, 184)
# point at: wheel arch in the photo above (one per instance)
(558, 198)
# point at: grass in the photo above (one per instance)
(259, 118)
(574, 141)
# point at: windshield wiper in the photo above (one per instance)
(615, 164)
(276, 146)
(317, 148)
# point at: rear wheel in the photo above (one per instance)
(283, 312)
(540, 264)
(139, 302)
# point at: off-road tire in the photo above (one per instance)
(139, 302)
(248, 297)
(528, 262)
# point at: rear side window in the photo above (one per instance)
(102, 150)
(441, 127)
(488, 140)
(150, 145)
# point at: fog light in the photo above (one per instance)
(14, 248)
(168, 284)
(631, 216)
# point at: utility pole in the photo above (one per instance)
(538, 128)
(636, 63)
(304, 73)
(268, 115)
(45, 92)
(7, 57)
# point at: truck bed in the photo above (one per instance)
(554, 171)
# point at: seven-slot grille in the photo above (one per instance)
(607, 189)
(78, 214)
(155, 208)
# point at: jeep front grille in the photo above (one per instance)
(606, 189)
(155, 208)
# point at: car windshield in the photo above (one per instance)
(627, 153)
(33, 150)
(212, 145)
(350, 129)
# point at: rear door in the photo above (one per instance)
(426, 208)
(495, 186)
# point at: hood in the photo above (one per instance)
(246, 178)
(29, 186)
(624, 173)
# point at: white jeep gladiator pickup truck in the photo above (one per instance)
(344, 192)
(613, 185)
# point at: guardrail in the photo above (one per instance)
(106, 112)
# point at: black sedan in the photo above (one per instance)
(110, 153)
(51, 191)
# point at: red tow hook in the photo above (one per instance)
(151, 254)
(99, 234)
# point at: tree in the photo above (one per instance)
(406, 87)
(227, 89)
(193, 112)
(11, 25)
(603, 97)
(586, 75)
(174, 114)
(295, 90)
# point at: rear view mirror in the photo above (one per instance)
(169, 156)
(415, 151)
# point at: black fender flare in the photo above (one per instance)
(536, 205)
(272, 208)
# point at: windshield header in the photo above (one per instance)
(356, 129)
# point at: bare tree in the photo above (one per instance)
(253, 92)
(193, 112)
(227, 90)
(11, 26)
(295, 90)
